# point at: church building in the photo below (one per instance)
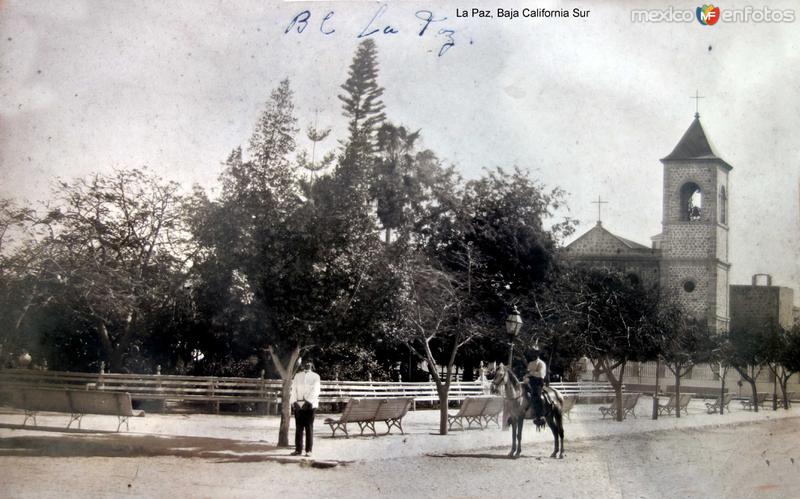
(689, 260)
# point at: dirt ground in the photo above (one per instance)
(746, 455)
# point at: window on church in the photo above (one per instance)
(691, 202)
(689, 286)
(723, 205)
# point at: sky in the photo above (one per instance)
(587, 104)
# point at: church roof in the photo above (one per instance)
(694, 145)
(599, 240)
(629, 243)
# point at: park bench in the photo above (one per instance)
(761, 400)
(365, 412)
(76, 403)
(478, 410)
(492, 411)
(721, 402)
(669, 407)
(629, 401)
(392, 411)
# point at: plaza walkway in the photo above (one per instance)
(251, 437)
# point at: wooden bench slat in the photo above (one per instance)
(76, 403)
(479, 410)
(367, 411)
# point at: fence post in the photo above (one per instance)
(262, 391)
(100, 374)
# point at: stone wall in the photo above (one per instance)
(677, 174)
(755, 306)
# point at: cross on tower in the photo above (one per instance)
(697, 98)
(599, 204)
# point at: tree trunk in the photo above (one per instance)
(115, 352)
(286, 372)
(115, 362)
(749, 374)
(655, 390)
(678, 391)
(775, 391)
(752, 382)
(443, 403)
(286, 412)
(722, 372)
(783, 382)
(616, 383)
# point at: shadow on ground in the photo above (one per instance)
(478, 455)
(103, 444)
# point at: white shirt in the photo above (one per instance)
(305, 388)
(537, 368)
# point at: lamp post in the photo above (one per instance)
(513, 326)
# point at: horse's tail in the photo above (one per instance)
(555, 396)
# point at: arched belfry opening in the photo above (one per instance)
(723, 205)
(691, 202)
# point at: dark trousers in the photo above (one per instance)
(304, 422)
(536, 395)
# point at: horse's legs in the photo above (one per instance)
(520, 422)
(556, 423)
(554, 429)
(513, 424)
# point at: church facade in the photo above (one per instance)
(689, 260)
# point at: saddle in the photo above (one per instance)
(547, 405)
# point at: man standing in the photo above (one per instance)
(305, 400)
(537, 370)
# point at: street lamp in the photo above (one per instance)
(513, 326)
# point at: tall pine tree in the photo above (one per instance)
(362, 104)
(268, 176)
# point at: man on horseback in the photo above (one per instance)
(537, 370)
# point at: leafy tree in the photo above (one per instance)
(315, 135)
(302, 253)
(747, 353)
(783, 355)
(718, 361)
(683, 342)
(499, 219)
(114, 250)
(458, 264)
(396, 185)
(434, 316)
(790, 359)
(18, 292)
(612, 321)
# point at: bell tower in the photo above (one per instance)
(694, 265)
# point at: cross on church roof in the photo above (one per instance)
(599, 204)
(697, 98)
